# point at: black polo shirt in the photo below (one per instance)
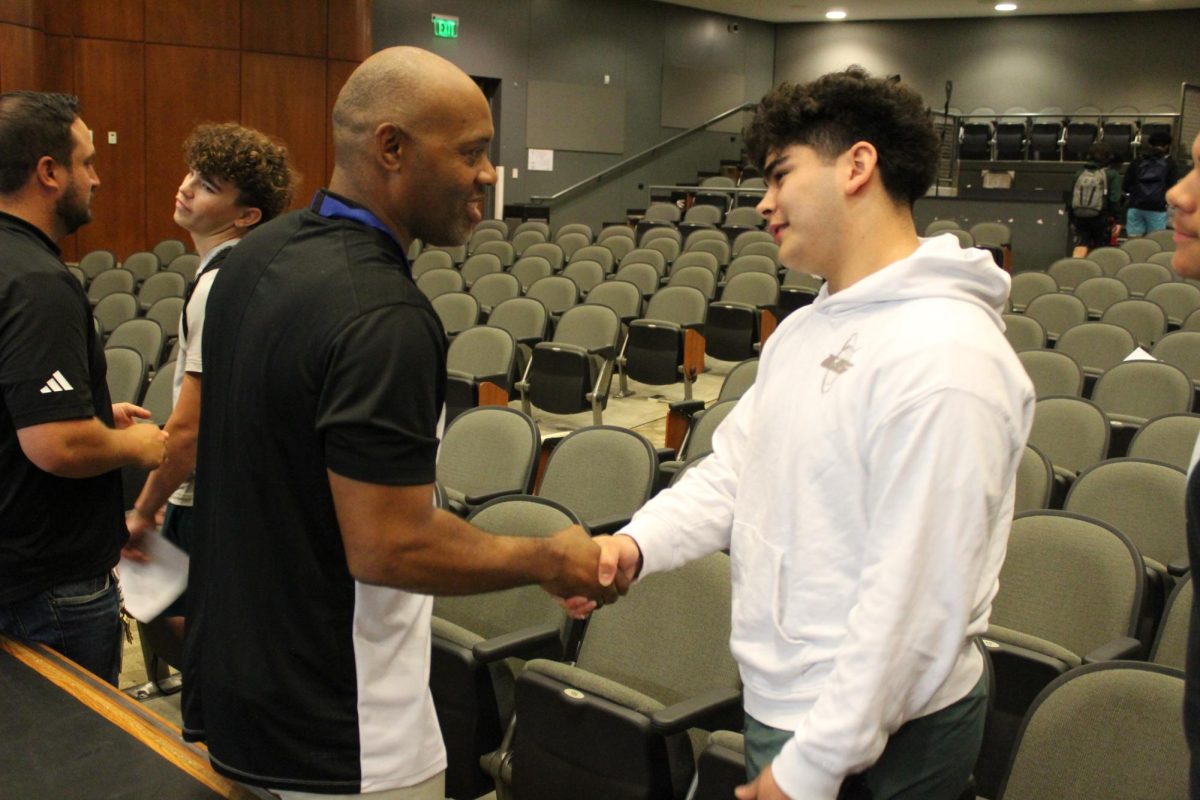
(319, 354)
(52, 368)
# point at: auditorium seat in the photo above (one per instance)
(571, 373)
(667, 344)
(602, 473)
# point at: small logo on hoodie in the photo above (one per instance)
(837, 363)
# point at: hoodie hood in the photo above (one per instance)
(939, 267)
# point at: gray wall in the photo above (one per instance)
(1107, 61)
(579, 41)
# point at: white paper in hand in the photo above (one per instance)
(149, 587)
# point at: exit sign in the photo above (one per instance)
(445, 27)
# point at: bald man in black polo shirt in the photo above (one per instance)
(62, 441)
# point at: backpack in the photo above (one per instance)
(1090, 193)
(1148, 189)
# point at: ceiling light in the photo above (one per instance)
(1006, 6)
(835, 14)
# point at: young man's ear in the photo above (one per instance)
(390, 141)
(863, 160)
(248, 218)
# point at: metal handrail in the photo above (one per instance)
(599, 176)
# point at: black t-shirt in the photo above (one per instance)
(52, 368)
(319, 354)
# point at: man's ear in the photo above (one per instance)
(863, 160)
(248, 217)
(46, 173)
(390, 142)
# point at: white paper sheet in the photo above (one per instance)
(1139, 354)
(149, 587)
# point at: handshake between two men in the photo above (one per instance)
(597, 570)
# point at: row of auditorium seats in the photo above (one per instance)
(1051, 140)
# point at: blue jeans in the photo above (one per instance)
(1139, 222)
(80, 619)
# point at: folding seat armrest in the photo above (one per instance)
(539, 641)
(1124, 647)
(608, 525)
(687, 408)
(1179, 568)
(475, 500)
(716, 709)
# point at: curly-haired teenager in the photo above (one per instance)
(238, 178)
(864, 485)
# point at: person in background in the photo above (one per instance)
(62, 440)
(1145, 185)
(1095, 198)
(237, 179)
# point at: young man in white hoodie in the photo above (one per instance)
(864, 485)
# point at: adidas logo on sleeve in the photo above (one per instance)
(57, 383)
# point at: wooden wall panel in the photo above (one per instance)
(22, 12)
(284, 96)
(59, 75)
(349, 30)
(295, 27)
(204, 23)
(59, 17)
(184, 86)
(110, 19)
(336, 75)
(109, 80)
(22, 58)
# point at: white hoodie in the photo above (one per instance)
(864, 486)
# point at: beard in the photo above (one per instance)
(72, 210)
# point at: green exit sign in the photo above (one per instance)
(445, 27)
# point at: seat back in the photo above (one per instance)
(1141, 248)
(1110, 259)
(1177, 299)
(523, 240)
(646, 255)
(1097, 346)
(704, 213)
(752, 288)
(610, 231)
(1056, 312)
(941, 226)
(595, 328)
(1024, 333)
(601, 473)
(1144, 276)
(168, 250)
(682, 305)
(186, 265)
(114, 309)
(1144, 319)
(965, 239)
(572, 241)
(143, 335)
(547, 250)
(623, 297)
(141, 264)
(1070, 431)
(158, 398)
(1100, 293)
(457, 311)
(97, 261)
(1169, 439)
(695, 277)
(1068, 580)
(668, 247)
(704, 235)
(586, 274)
(717, 247)
(1165, 240)
(644, 276)
(768, 249)
(574, 227)
(126, 374)
(430, 260)
(661, 232)
(598, 253)
(1170, 646)
(501, 250)
(480, 264)
(663, 212)
(524, 317)
(1053, 373)
(160, 285)
(699, 438)
(750, 263)
(440, 281)
(166, 313)
(1108, 731)
(743, 217)
(696, 258)
(529, 269)
(535, 225)
(494, 288)
(1028, 285)
(1141, 390)
(1035, 481)
(481, 235)
(619, 246)
(488, 451)
(991, 234)
(1145, 500)
(1070, 272)
(739, 380)
(109, 282)
(482, 352)
(556, 292)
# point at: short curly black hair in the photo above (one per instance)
(836, 110)
(248, 159)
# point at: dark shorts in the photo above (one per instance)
(928, 758)
(177, 529)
